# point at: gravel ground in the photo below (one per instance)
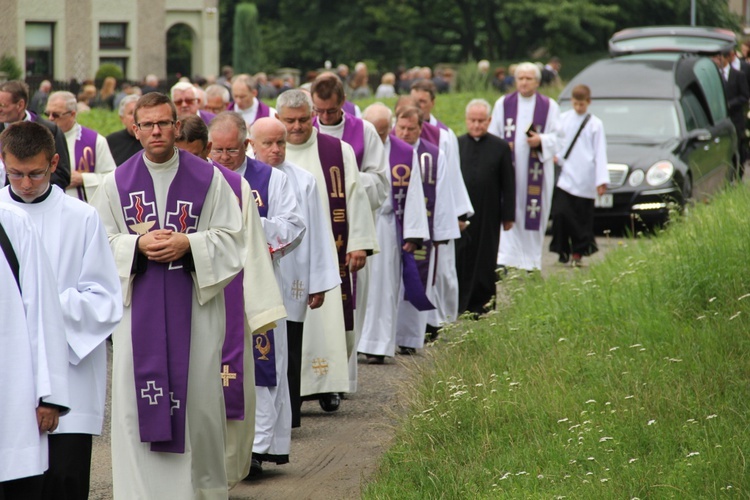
(333, 454)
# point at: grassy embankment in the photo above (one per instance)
(629, 380)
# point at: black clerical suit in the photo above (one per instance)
(737, 93)
(487, 169)
(122, 145)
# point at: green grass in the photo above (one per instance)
(631, 379)
(104, 122)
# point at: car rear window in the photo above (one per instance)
(643, 119)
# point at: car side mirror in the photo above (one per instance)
(699, 134)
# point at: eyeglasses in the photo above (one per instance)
(230, 152)
(53, 115)
(329, 112)
(17, 176)
(148, 126)
(188, 102)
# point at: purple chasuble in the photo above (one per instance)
(536, 168)
(206, 116)
(232, 352)
(258, 175)
(162, 299)
(85, 156)
(354, 135)
(401, 162)
(440, 125)
(332, 163)
(428, 160)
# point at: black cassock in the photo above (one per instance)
(489, 176)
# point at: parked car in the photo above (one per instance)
(662, 103)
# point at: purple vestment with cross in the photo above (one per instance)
(85, 156)
(536, 167)
(428, 154)
(258, 175)
(162, 298)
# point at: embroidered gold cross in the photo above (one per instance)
(226, 376)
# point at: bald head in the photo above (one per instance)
(268, 140)
(380, 116)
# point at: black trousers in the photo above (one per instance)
(572, 224)
(69, 470)
(26, 488)
(294, 368)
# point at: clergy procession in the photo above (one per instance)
(244, 259)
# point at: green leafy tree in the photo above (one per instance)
(109, 69)
(248, 47)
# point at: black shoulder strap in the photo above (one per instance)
(10, 254)
(585, 121)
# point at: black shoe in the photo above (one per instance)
(432, 333)
(330, 402)
(256, 469)
(373, 359)
(407, 351)
(564, 258)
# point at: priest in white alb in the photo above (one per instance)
(177, 237)
(327, 92)
(530, 123)
(352, 236)
(89, 291)
(402, 228)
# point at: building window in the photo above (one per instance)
(40, 49)
(113, 35)
(121, 62)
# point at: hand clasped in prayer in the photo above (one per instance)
(163, 245)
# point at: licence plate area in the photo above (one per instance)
(604, 201)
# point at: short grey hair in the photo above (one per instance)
(182, 86)
(529, 66)
(377, 110)
(71, 103)
(229, 118)
(479, 102)
(125, 101)
(294, 99)
(216, 90)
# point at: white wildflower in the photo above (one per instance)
(562, 420)
(591, 401)
(635, 345)
(735, 315)
(711, 299)
(711, 416)
(629, 397)
(562, 339)
(651, 422)
(591, 459)
(522, 473)
(605, 439)
(744, 296)
(692, 454)
(632, 460)
(604, 480)
(613, 348)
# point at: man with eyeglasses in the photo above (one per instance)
(87, 148)
(89, 293)
(123, 144)
(284, 229)
(246, 102)
(328, 99)
(330, 329)
(187, 101)
(14, 98)
(178, 240)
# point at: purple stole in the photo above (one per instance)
(232, 352)
(258, 174)
(349, 108)
(428, 159)
(206, 116)
(162, 299)
(354, 135)
(536, 168)
(401, 162)
(430, 133)
(263, 111)
(332, 163)
(85, 156)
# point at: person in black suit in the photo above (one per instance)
(737, 93)
(14, 97)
